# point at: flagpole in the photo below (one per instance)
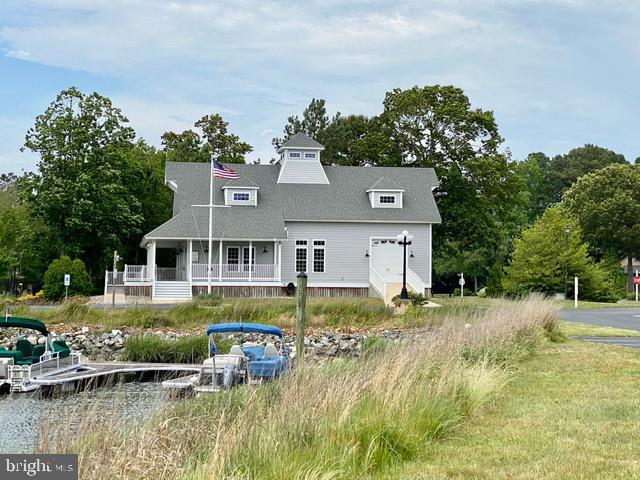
(210, 227)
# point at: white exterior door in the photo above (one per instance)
(386, 259)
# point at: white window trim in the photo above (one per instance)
(312, 155)
(294, 154)
(388, 196)
(253, 258)
(376, 194)
(248, 194)
(315, 247)
(295, 254)
(227, 257)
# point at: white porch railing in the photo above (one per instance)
(164, 273)
(108, 279)
(377, 282)
(137, 273)
(234, 272)
(415, 282)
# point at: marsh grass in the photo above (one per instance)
(184, 349)
(347, 419)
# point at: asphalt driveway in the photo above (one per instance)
(627, 318)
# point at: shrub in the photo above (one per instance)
(54, 278)
(416, 298)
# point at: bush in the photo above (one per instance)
(54, 279)
(416, 298)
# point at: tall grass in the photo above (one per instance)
(184, 349)
(348, 419)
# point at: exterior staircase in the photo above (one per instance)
(172, 290)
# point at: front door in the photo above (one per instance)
(386, 259)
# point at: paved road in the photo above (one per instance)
(627, 318)
(623, 342)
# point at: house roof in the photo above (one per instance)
(300, 140)
(344, 199)
(384, 183)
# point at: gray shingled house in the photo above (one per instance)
(338, 224)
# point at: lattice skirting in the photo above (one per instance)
(138, 290)
(254, 291)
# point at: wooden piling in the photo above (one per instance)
(301, 305)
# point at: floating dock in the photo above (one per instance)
(95, 370)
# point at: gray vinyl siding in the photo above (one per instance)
(396, 204)
(302, 170)
(346, 244)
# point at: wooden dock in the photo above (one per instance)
(93, 370)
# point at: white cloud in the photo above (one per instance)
(257, 61)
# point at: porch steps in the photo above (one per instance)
(172, 290)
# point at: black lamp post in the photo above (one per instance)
(404, 239)
(567, 230)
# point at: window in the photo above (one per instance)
(387, 199)
(233, 257)
(301, 256)
(318, 256)
(195, 256)
(309, 155)
(294, 155)
(245, 257)
(240, 197)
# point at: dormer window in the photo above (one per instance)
(310, 155)
(294, 155)
(247, 196)
(385, 198)
(241, 196)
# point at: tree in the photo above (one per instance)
(314, 122)
(214, 139)
(534, 172)
(564, 170)
(80, 192)
(540, 258)
(605, 202)
(54, 288)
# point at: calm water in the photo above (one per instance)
(23, 416)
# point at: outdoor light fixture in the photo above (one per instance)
(264, 249)
(366, 253)
(411, 255)
(404, 239)
(179, 251)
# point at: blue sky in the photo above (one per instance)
(557, 73)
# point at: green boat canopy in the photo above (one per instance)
(22, 322)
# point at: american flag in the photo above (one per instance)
(222, 171)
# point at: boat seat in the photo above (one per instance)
(270, 350)
(12, 354)
(61, 347)
(236, 350)
(38, 350)
(24, 346)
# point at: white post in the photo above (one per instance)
(250, 259)
(275, 248)
(280, 261)
(461, 285)
(575, 292)
(636, 285)
(220, 261)
(190, 264)
(210, 227)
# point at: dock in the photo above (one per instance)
(94, 370)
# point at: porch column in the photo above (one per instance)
(220, 262)
(280, 261)
(151, 266)
(275, 258)
(189, 262)
(250, 258)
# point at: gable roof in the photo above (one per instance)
(344, 199)
(383, 183)
(301, 140)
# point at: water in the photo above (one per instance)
(23, 416)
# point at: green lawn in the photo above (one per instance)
(573, 329)
(585, 304)
(571, 412)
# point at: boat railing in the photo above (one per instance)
(52, 361)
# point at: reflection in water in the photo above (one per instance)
(24, 416)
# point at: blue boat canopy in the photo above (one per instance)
(22, 322)
(244, 328)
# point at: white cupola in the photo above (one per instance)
(300, 161)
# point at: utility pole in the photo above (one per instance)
(301, 305)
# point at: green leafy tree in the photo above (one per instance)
(564, 170)
(54, 278)
(534, 172)
(80, 192)
(541, 255)
(605, 202)
(213, 138)
(313, 123)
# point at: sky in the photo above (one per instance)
(556, 73)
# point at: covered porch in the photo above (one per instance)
(231, 261)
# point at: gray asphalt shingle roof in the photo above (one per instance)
(300, 140)
(344, 199)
